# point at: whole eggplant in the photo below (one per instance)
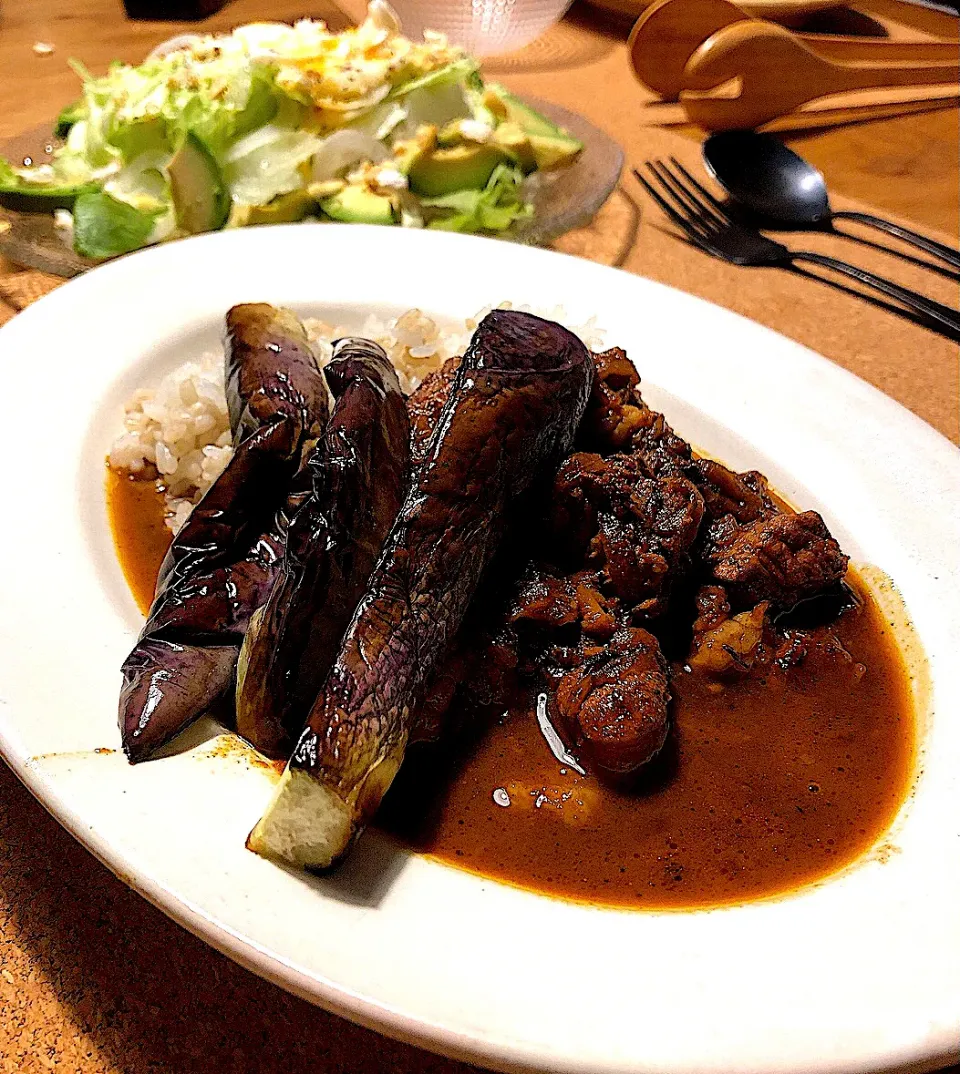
(221, 565)
(514, 406)
(359, 473)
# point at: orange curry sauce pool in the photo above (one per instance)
(762, 787)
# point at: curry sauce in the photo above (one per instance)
(765, 784)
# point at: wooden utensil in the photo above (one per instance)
(776, 74)
(786, 12)
(719, 112)
(936, 21)
(668, 33)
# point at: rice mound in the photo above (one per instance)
(178, 434)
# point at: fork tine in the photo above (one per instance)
(678, 212)
(686, 225)
(711, 220)
(715, 202)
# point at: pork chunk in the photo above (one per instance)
(635, 530)
(782, 559)
(614, 705)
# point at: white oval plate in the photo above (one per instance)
(857, 973)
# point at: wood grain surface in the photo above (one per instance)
(93, 980)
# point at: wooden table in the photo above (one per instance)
(95, 981)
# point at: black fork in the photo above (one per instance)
(706, 223)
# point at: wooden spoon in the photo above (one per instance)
(786, 12)
(720, 112)
(777, 73)
(937, 21)
(669, 32)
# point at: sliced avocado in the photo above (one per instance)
(549, 152)
(201, 200)
(464, 167)
(28, 196)
(357, 205)
(532, 123)
(284, 209)
(408, 152)
(517, 145)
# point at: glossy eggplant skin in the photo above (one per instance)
(359, 474)
(271, 373)
(513, 408)
(223, 562)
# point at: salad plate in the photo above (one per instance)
(274, 123)
(855, 973)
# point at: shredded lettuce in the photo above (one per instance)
(143, 183)
(495, 208)
(134, 110)
(267, 163)
(68, 117)
(460, 73)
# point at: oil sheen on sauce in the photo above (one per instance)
(764, 786)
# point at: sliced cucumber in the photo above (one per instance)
(201, 200)
(27, 196)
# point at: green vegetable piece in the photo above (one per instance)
(27, 196)
(68, 117)
(463, 167)
(494, 209)
(356, 205)
(284, 209)
(201, 201)
(530, 121)
(105, 227)
(549, 152)
(461, 72)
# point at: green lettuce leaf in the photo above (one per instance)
(495, 208)
(105, 227)
(267, 163)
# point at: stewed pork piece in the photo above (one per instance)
(613, 706)
(781, 558)
(513, 408)
(724, 644)
(637, 531)
(749, 544)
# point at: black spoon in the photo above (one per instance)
(760, 173)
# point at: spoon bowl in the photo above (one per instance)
(760, 173)
(771, 182)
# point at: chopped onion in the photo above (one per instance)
(179, 43)
(343, 149)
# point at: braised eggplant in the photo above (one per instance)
(222, 563)
(515, 404)
(359, 473)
